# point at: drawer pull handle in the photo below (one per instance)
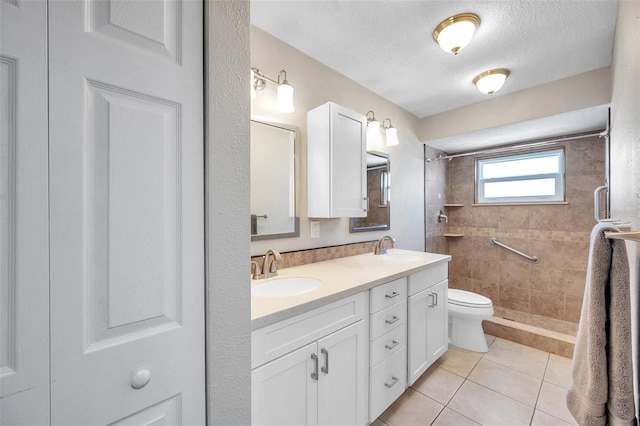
(433, 300)
(392, 320)
(325, 369)
(393, 344)
(436, 295)
(314, 374)
(392, 382)
(392, 295)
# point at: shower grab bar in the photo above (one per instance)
(495, 241)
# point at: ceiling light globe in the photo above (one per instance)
(489, 82)
(455, 33)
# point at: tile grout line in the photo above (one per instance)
(535, 406)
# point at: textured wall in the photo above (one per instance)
(227, 118)
(625, 145)
(625, 115)
(315, 84)
(557, 234)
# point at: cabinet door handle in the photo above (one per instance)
(366, 203)
(393, 344)
(392, 295)
(325, 369)
(314, 374)
(391, 383)
(436, 295)
(433, 300)
(392, 320)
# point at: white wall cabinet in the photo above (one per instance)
(320, 383)
(427, 311)
(336, 162)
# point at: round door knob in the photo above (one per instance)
(140, 379)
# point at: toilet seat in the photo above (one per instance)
(468, 299)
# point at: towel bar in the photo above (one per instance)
(633, 235)
(495, 241)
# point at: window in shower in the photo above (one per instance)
(525, 178)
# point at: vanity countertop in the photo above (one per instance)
(340, 278)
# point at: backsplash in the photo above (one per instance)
(303, 257)
(557, 234)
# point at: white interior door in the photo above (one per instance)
(24, 243)
(126, 191)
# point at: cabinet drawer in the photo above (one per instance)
(388, 319)
(425, 279)
(388, 344)
(388, 381)
(277, 339)
(388, 294)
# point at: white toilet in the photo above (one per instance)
(466, 312)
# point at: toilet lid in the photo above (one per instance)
(467, 298)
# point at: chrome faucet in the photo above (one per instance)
(443, 217)
(380, 249)
(269, 265)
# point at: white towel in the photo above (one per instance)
(602, 372)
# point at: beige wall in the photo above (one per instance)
(557, 234)
(314, 85)
(574, 93)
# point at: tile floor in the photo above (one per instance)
(512, 385)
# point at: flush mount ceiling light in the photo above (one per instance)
(455, 32)
(284, 102)
(373, 129)
(391, 133)
(489, 82)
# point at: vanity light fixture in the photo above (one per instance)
(489, 82)
(284, 102)
(455, 32)
(373, 129)
(390, 132)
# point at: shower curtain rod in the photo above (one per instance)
(601, 134)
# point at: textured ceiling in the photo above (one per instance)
(387, 46)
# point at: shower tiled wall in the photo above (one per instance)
(557, 234)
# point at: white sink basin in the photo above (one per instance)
(397, 257)
(286, 286)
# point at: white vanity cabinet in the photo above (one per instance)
(388, 345)
(428, 327)
(336, 162)
(312, 369)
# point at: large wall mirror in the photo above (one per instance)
(379, 194)
(273, 181)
